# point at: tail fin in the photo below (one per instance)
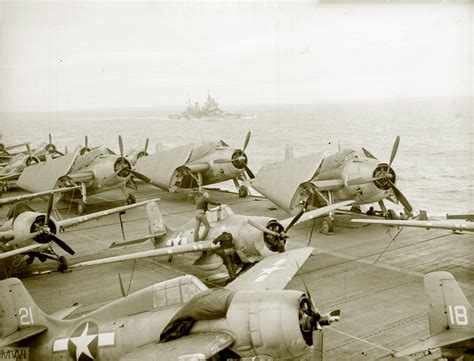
(22, 318)
(157, 225)
(448, 306)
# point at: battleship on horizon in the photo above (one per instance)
(208, 111)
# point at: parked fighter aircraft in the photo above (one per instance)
(15, 166)
(183, 320)
(135, 154)
(95, 171)
(317, 180)
(455, 226)
(27, 235)
(6, 151)
(192, 166)
(450, 319)
(254, 237)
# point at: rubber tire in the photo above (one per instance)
(81, 207)
(327, 226)
(63, 265)
(131, 199)
(243, 192)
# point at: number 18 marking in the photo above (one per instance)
(457, 315)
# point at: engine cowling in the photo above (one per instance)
(265, 323)
(29, 222)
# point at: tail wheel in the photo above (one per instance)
(327, 227)
(63, 265)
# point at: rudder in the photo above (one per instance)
(448, 306)
(18, 307)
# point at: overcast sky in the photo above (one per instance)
(90, 55)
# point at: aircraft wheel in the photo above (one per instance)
(63, 265)
(391, 214)
(131, 199)
(81, 207)
(327, 225)
(243, 192)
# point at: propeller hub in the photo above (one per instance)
(51, 148)
(122, 167)
(46, 230)
(385, 176)
(239, 159)
(273, 242)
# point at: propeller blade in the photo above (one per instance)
(146, 145)
(261, 227)
(394, 151)
(28, 148)
(140, 176)
(61, 244)
(121, 150)
(224, 143)
(50, 138)
(247, 139)
(86, 142)
(111, 179)
(249, 172)
(49, 209)
(401, 197)
(65, 150)
(58, 152)
(294, 220)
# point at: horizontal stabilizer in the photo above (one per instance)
(204, 345)
(441, 339)
(22, 334)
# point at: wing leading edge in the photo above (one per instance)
(200, 346)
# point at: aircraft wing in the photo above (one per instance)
(200, 346)
(165, 251)
(316, 213)
(25, 197)
(280, 180)
(160, 167)
(11, 176)
(441, 339)
(21, 250)
(453, 226)
(43, 176)
(76, 220)
(272, 273)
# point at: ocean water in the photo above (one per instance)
(434, 163)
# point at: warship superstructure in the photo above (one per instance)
(209, 110)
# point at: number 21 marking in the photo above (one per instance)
(26, 316)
